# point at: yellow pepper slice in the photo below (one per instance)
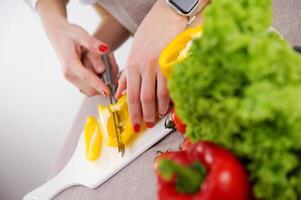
(177, 49)
(125, 136)
(107, 123)
(93, 138)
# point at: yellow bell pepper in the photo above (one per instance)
(177, 50)
(107, 122)
(126, 135)
(93, 138)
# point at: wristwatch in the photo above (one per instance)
(187, 8)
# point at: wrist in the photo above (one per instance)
(171, 13)
(193, 15)
(197, 21)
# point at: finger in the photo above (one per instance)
(162, 95)
(124, 92)
(148, 98)
(121, 85)
(84, 88)
(96, 62)
(91, 43)
(86, 62)
(89, 66)
(90, 78)
(133, 90)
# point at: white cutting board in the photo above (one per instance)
(80, 171)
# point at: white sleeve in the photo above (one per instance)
(32, 4)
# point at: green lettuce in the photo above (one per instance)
(241, 88)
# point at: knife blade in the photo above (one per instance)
(108, 79)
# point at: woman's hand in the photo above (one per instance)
(78, 52)
(146, 87)
(80, 57)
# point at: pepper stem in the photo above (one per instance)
(188, 178)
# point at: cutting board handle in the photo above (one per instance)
(50, 189)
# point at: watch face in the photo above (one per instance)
(185, 6)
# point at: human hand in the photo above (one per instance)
(80, 57)
(94, 63)
(146, 87)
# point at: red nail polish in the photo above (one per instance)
(103, 48)
(136, 128)
(149, 124)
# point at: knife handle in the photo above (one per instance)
(107, 75)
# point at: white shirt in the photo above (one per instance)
(33, 3)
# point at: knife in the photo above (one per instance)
(108, 79)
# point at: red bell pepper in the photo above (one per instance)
(201, 171)
(175, 123)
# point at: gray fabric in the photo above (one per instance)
(287, 19)
(129, 13)
(136, 181)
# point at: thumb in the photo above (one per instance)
(122, 85)
(92, 43)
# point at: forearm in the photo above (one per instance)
(110, 30)
(167, 12)
(162, 5)
(197, 21)
(52, 14)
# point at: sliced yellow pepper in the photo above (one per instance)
(177, 49)
(107, 123)
(95, 131)
(93, 138)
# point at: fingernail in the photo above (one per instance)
(149, 124)
(103, 48)
(123, 92)
(118, 97)
(136, 128)
(104, 94)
